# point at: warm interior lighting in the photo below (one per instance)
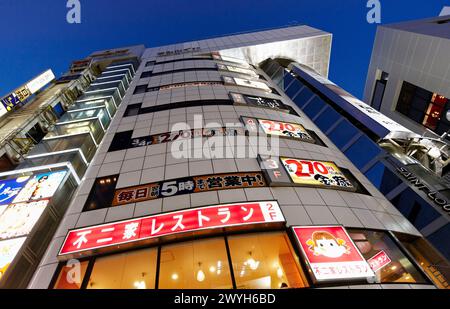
(251, 262)
(212, 269)
(200, 273)
(174, 276)
(140, 285)
(279, 272)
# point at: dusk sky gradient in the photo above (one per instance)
(35, 35)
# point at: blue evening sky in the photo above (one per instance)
(35, 35)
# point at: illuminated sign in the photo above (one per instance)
(244, 99)
(277, 128)
(316, 173)
(10, 188)
(23, 92)
(246, 83)
(331, 253)
(188, 185)
(41, 186)
(19, 219)
(218, 216)
(379, 260)
(8, 251)
(284, 129)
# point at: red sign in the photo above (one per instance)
(170, 223)
(331, 253)
(379, 260)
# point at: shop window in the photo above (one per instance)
(102, 193)
(265, 261)
(133, 270)
(195, 265)
(397, 268)
(342, 134)
(71, 277)
(362, 151)
(431, 261)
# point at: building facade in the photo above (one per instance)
(210, 176)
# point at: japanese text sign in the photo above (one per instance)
(188, 185)
(379, 260)
(331, 253)
(316, 173)
(188, 220)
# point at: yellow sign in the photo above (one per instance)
(316, 173)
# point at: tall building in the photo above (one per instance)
(408, 78)
(210, 176)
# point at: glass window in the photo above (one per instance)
(102, 193)
(382, 178)
(415, 209)
(201, 264)
(431, 261)
(440, 240)
(71, 277)
(303, 97)
(314, 107)
(362, 151)
(132, 110)
(293, 88)
(327, 118)
(342, 134)
(399, 269)
(133, 270)
(265, 261)
(140, 89)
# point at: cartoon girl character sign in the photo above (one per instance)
(331, 253)
(326, 244)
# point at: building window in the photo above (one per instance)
(146, 74)
(423, 107)
(140, 89)
(378, 92)
(68, 279)
(102, 193)
(343, 133)
(397, 268)
(132, 110)
(434, 264)
(133, 270)
(195, 265)
(259, 261)
(265, 261)
(314, 107)
(362, 151)
(383, 178)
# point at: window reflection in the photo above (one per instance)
(195, 265)
(134, 270)
(71, 277)
(264, 261)
(399, 269)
